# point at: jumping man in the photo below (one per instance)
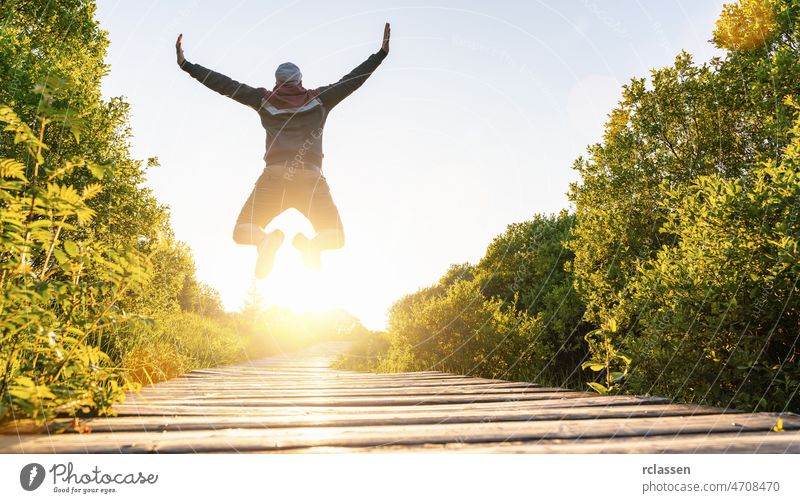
(293, 118)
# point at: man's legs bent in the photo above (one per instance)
(264, 203)
(266, 243)
(266, 252)
(248, 234)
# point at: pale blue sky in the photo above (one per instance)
(471, 123)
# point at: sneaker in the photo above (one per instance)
(309, 252)
(266, 253)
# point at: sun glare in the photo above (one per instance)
(291, 284)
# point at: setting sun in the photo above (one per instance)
(294, 286)
(291, 284)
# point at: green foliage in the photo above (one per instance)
(513, 315)
(745, 25)
(677, 235)
(720, 118)
(172, 286)
(683, 253)
(607, 360)
(462, 332)
(528, 266)
(55, 50)
(83, 244)
(719, 310)
(60, 287)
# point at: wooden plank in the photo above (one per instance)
(309, 379)
(268, 372)
(189, 410)
(267, 392)
(720, 443)
(390, 417)
(313, 385)
(325, 385)
(238, 440)
(278, 401)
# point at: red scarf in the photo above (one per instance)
(290, 95)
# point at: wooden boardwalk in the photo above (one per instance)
(296, 403)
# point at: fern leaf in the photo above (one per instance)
(11, 168)
(91, 190)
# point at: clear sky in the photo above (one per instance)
(471, 123)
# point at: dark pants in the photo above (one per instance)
(281, 187)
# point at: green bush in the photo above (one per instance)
(59, 286)
(462, 332)
(720, 118)
(513, 315)
(530, 263)
(84, 245)
(670, 231)
(718, 312)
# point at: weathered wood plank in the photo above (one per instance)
(307, 376)
(268, 392)
(719, 443)
(189, 410)
(339, 418)
(277, 401)
(237, 440)
(328, 384)
(256, 373)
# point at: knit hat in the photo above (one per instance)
(288, 73)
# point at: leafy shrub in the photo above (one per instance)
(84, 245)
(59, 286)
(606, 359)
(720, 118)
(671, 220)
(718, 312)
(530, 263)
(462, 332)
(514, 314)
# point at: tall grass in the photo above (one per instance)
(176, 343)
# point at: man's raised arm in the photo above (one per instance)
(332, 94)
(218, 82)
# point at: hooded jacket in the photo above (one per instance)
(293, 116)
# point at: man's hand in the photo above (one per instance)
(387, 31)
(179, 50)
